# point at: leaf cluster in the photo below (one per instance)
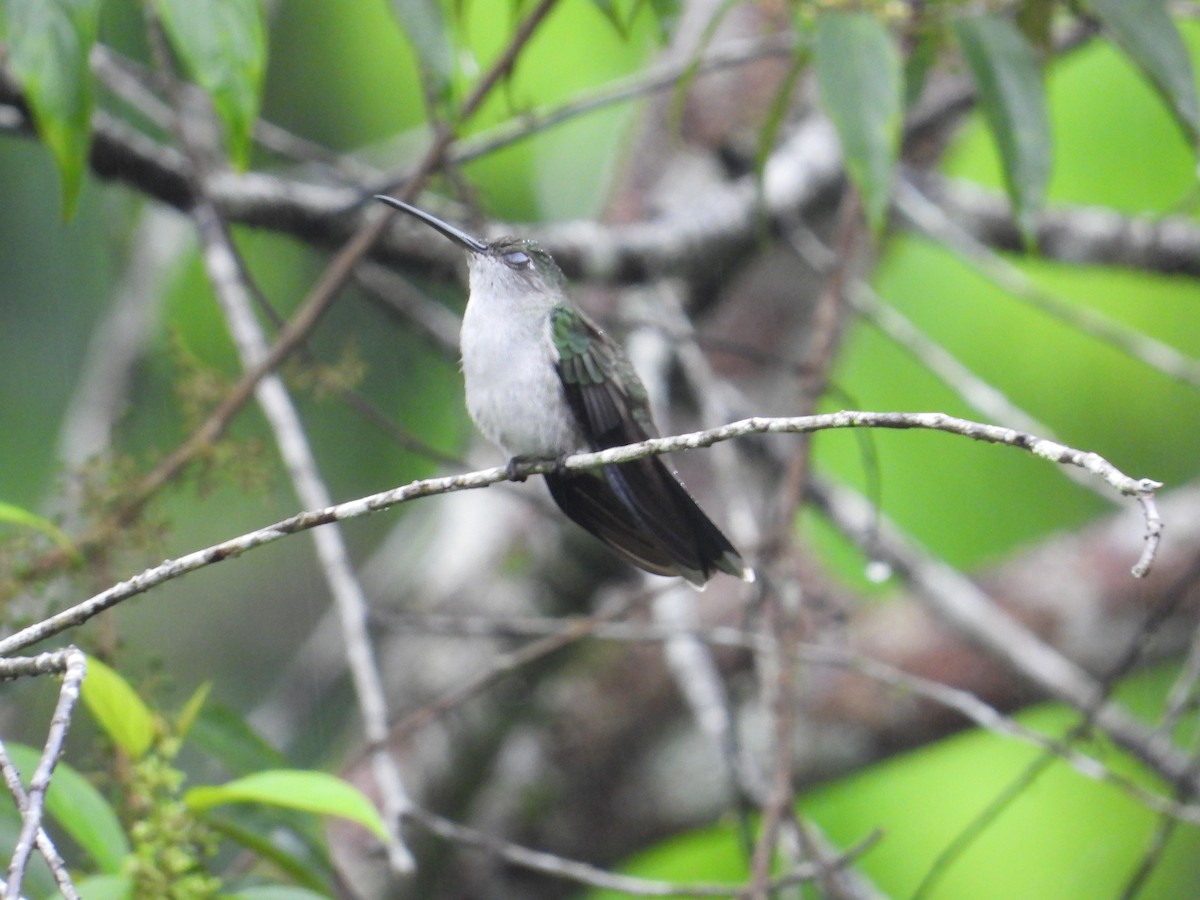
(864, 83)
(163, 837)
(859, 58)
(870, 62)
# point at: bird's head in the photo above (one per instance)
(506, 267)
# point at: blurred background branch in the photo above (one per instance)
(781, 209)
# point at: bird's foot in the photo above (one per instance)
(513, 467)
(560, 465)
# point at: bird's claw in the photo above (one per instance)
(513, 468)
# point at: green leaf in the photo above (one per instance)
(191, 709)
(425, 26)
(666, 16)
(225, 735)
(265, 843)
(117, 708)
(16, 515)
(80, 810)
(105, 887)
(922, 57)
(1145, 31)
(276, 892)
(862, 88)
(608, 9)
(780, 104)
(1035, 18)
(1013, 100)
(224, 47)
(48, 46)
(317, 792)
(683, 84)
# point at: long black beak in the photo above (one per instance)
(460, 237)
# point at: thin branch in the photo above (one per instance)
(349, 599)
(132, 83)
(1152, 855)
(978, 826)
(342, 265)
(53, 662)
(572, 870)
(164, 172)
(1081, 235)
(171, 569)
(964, 702)
(504, 664)
(226, 274)
(663, 77)
(73, 665)
(1182, 695)
(942, 226)
(782, 831)
(959, 602)
(654, 348)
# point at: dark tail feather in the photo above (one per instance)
(590, 503)
(666, 510)
(643, 513)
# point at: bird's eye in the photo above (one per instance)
(517, 259)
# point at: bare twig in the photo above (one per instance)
(931, 219)
(165, 173)
(663, 77)
(964, 702)
(351, 603)
(959, 602)
(226, 274)
(572, 870)
(72, 663)
(782, 831)
(1080, 235)
(696, 674)
(1182, 695)
(505, 664)
(1152, 855)
(171, 569)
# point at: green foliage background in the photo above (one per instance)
(1115, 146)
(341, 73)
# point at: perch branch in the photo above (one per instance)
(1143, 488)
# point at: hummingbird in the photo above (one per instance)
(544, 381)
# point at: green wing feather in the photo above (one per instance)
(640, 508)
(603, 389)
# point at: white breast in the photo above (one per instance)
(513, 391)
